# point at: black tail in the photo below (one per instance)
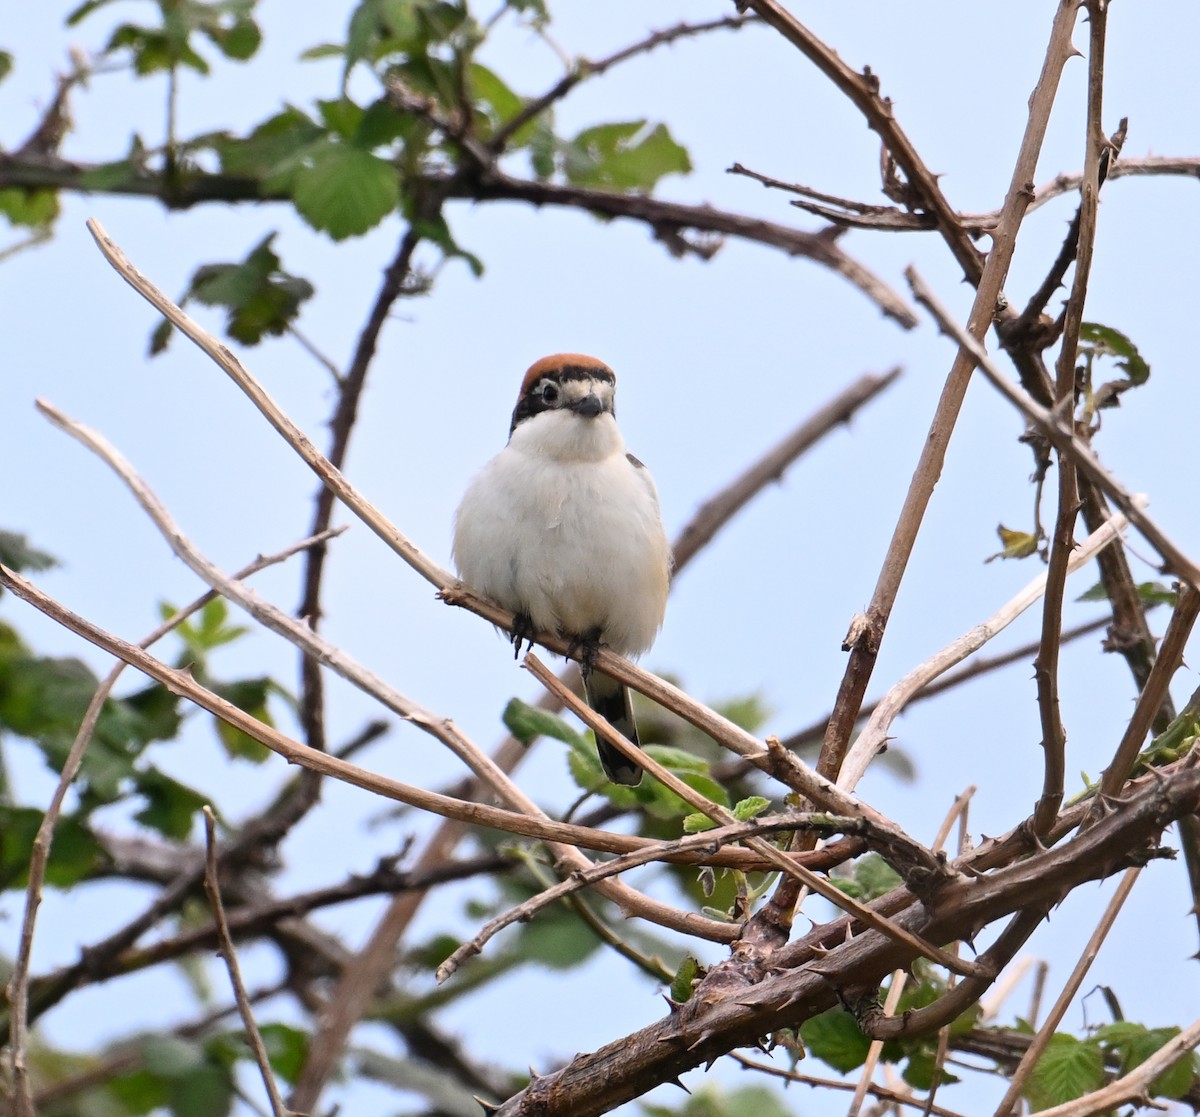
(611, 701)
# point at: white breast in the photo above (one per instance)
(567, 529)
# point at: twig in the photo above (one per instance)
(181, 683)
(18, 984)
(662, 215)
(1059, 436)
(981, 666)
(958, 810)
(718, 510)
(720, 815)
(867, 631)
(714, 839)
(874, 735)
(1170, 657)
(862, 90)
(378, 955)
(883, 1093)
(250, 1025)
(1039, 1043)
(895, 991)
(584, 69)
(1054, 736)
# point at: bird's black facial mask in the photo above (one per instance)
(587, 392)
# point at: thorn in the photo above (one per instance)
(676, 1082)
(533, 1075)
(487, 1106)
(672, 1003)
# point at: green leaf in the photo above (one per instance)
(557, 938)
(834, 1038)
(74, 852)
(1149, 593)
(170, 806)
(527, 723)
(32, 207)
(154, 50)
(6, 64)
(438, 232)
(207, 630)
(921, 1072)
(1068, 1069)
(17, 553)
(273, 145)
(718, 1101)
(684, 979)
(1135, 1043)
(1017, 544)
(623, 156)
(249, 695)
(345, 191)
(262, 298)
(1106, 341)
(85, 9)
(238, 42)
(497, 104)
(873, 877)
(341, 117)
(750, 807)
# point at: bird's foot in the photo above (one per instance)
(522, 633)
(587, 647)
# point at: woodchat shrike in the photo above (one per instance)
(563, 529)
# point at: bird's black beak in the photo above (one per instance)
(589, 407)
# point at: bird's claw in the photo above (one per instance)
(587, 647)
(522, 633)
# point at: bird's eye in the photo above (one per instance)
(549, 393)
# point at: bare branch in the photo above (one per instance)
(18, 984)
(868, 630)
(874, 735)
(1045, 1033)
(1062, 438)
(249, 1024)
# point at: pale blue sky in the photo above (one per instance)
(715, 362)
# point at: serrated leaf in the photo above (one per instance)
(1017, 544)
(1113, 343)
(345, 191)
(834, 1038)
(697, 823)
(526, 723)
(1068, 1069)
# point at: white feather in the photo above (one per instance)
(563, 526)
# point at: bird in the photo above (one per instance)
(563, 529)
